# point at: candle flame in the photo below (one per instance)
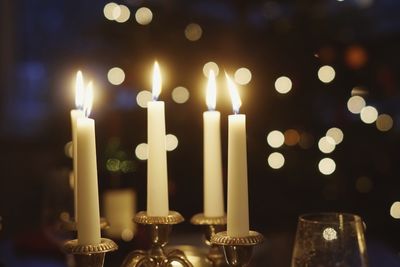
(211, 94)
(79, 90)
(235, 97)
(156, 81)
(88, 100)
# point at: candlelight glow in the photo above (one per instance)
(211, 92)
(124, 14)
(88, 101)
(143, 16)
(156, 81)
(395, 210)
(79, 90)
(326, 74)
(180, 95)
(142, 98)
(242, 76)
(236, 101)
(210, 66)
(327, 166)
(369, 114)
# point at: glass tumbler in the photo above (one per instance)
(330, 240)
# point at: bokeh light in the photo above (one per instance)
(171, 142)
(292, 137)
(116, 76)
(369, 114)
(193, 32)
(180, 95)
(210, 66)
(329, 234)
(124, 14)
(364, 184)
(395, 210)
(127, 235)
(275, 139)
(356, 57)
(113, 165)
(326, 74)
(276, 160)
(355, 104)
(143, 16)
(109, 10)
(326, 144)
(141, 151)
(326, 166)
(336, 134)
(143, 97)
(242, 76)
(283, 85)
(384, 122)
(359, 90)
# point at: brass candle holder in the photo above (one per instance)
(89, 255)
(158, 229)
(237, 250)
(212, 225)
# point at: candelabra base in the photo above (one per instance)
(89, 255)
(158, 229)
(212, 225)
(237, 250)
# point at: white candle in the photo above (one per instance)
(213, 185)
(119, 209)
(75, 114)
(238, 210)
(157, 175)
(88, 197)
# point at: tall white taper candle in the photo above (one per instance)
(157, 174)
(88, 223)
(213, 184)
(238, 207)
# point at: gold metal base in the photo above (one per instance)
(237, 250)
(158, 228)
(212, 225)
(89, 255)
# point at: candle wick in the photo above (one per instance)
(154, 98)
(236, 111)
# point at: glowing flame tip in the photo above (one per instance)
(211, 93)
(235, 97)
(88, 100)
(156, 81)
(79, 90)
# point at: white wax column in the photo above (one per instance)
(88, 196)
(238, 208)
(119, 209)
(157, 176)
(213, 185)
(75, 114)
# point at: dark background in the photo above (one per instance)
(43, 43)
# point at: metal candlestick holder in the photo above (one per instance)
(158, 229)
(89, 255)
(212, 225)
(237, 250)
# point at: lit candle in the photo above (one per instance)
(88, 196)
(157, 176)
(213, 185)
(238, 210)
(75, 114)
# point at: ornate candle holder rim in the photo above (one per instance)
(106, 245)
(173, 217)
(201, 219)
(223, 239)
